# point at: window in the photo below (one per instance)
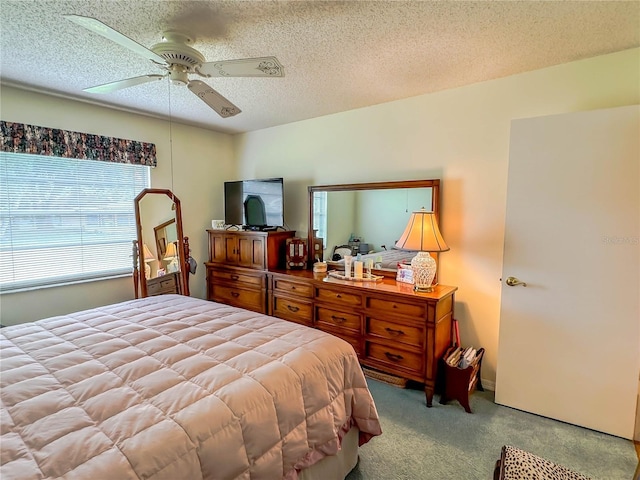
(320, 214)
(64, 220)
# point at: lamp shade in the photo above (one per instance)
(146, 253)
(171, 251)
(422, 233)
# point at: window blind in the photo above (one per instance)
(320, 215)
(64, 220)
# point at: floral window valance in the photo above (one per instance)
(22, 138)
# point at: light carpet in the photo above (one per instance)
(445, 443)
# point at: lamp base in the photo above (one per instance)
(421, 288)
(424, 271)
(173, 266)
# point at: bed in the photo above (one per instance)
(173, 387)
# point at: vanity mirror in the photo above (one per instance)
(161, 251)
(367, 218)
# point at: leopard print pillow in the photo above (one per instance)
(517, 464)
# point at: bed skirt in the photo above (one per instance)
(336, 466)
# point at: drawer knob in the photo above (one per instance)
(393, 357)
(292, 308)
(338, 319)
(235, 294)
(338, 295)
(392, 331)
(234, 277)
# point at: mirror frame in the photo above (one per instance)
(433, 183)
(182, 259)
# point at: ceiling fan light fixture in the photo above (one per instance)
(178, 75)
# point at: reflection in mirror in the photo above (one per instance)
(162, 249)
(165, 233)
(368, 218)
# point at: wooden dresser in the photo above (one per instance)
(169, 283)
(238, 261)
(392, 328)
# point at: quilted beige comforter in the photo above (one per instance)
(174, 387)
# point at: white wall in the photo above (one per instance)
(340, 206)
(460, 136)
(383, 214)
(202, 160)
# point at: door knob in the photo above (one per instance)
(514, 282)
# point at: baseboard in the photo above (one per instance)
(488, 385)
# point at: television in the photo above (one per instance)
(254, 204)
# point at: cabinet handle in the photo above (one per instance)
(338, 319)
(235, 294)
(234, 277)
(394, 332)
(292, 308)
(393, 357)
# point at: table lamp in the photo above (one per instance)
(172, 256)
(147, 257)
(422, 234)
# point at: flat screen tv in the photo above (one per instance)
(254, 204)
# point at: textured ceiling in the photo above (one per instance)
(337, 55)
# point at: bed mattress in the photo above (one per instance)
(173, 387)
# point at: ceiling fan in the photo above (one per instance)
(175, 55)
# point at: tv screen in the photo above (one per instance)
(255, 204)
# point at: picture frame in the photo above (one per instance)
(405, 274)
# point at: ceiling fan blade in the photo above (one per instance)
(129, 82)
(243, 67)
(109, 33)
(208, 95)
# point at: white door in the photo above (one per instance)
(569, 345)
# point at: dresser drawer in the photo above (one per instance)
(395, 332)
(162, 285)
(339, 297)
(228, 276)
(293, 310)
(417, 310)
(292, 288)
(239, 297)
(394, 356)
(325, 317)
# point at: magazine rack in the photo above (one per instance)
(459, 383)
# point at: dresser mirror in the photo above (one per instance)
(366, 218)
(164, 234)
(160, 251)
